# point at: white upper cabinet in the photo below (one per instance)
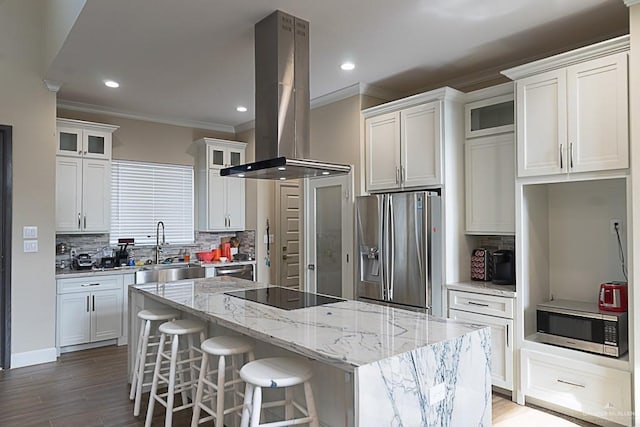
(598, 129)
(221, 199)
(420, 159)
(77, 138)
(572, 111)
(383, 151)
(404, 142)
(83, 177)
(490, 185)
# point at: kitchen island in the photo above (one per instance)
(374, 365)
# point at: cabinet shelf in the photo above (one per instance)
(532, 342)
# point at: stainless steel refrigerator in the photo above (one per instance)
(399, 244)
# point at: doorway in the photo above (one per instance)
(6, 186)
(288, 235)
(329, 235)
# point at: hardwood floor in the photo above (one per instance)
(89, 388)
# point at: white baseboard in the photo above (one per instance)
(35, 357)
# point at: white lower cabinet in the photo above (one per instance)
(89, 310)
(584, 387)
(497, 313)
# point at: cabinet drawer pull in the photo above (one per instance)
(477, 303)
(85, 220)
(87, 303)
(397, 175)
(561, 156)
(93, 297)
(90, 284)
(79, 216)
(402, 174)
(570, 383)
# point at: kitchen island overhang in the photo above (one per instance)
(408, 368)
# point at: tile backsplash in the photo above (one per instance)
(93, 243)
(493, 243)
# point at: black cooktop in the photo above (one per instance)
(285, 298)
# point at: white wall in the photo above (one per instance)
(582, 251)
(59, 17)
(30, 108)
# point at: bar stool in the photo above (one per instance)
(222, 346)
(147, 348)
(175, 329)
(277, 372)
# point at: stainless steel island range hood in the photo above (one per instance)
(282, 104)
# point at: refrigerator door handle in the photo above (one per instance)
(382, 251)
(392, 250)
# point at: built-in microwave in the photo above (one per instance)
(582, 326)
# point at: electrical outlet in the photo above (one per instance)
(612, 226)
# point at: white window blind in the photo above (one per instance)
(143, 194)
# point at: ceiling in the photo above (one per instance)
(192, 61)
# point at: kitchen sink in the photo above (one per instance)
(169, 273)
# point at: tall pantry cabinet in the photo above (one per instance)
(572, 181)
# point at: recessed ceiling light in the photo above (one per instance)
(111, 84)
(241, 109)
(282, 168)
(282, 178)
(325, 173)
(348, 66)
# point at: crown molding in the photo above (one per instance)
(98, 109)
(597, 50)
(630, 3)
(52, 85)
(444, 93)
(353, 90)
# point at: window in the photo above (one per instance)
(143, 194)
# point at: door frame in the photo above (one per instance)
(347, 232)
(6, 190)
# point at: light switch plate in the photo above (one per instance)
(30, 232)
(31, 246)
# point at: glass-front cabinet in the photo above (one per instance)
(77, 138)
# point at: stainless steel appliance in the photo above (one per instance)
(282, 107)
(399, 244)
(583, 326)
(82, 262)
(244, 271)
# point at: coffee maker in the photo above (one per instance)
(504, 267)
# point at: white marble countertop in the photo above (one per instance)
(68, 273)
(346, 334)
(487, 288)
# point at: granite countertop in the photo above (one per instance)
(486, 288)
(345, 334)
(68, 273)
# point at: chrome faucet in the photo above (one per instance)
(158, 239)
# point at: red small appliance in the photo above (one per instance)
(613, 297)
